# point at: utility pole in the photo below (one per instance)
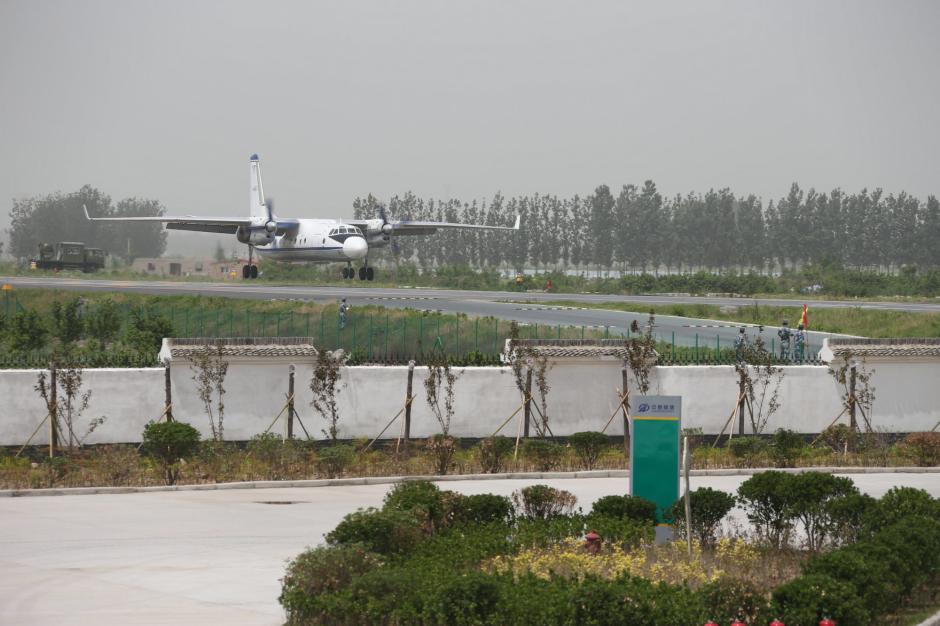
(527, 402)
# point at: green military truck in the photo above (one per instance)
(69, 255)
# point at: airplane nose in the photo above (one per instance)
(355, 248)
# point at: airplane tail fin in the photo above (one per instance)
(256, 200)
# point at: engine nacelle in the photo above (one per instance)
(254, 237)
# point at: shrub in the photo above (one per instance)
(588, 446)
(333, 460)
(807, 599)
(925, 448)
(546, 455)
(709, 506)
(442, 449)
(850, 515)
(766, 498)
(117, 463)
(785, 447)
(493, 451)
(747, 449)
(629, 507)
(320, 571)
(902, 502)
(273, 451)
(624, 533)
(385, 532)
(812, 493)
(912, 545)
(168, 442)
(467, 599)
(485, 508)
(542, 502)
(877, 586)
(839, 437)
(420, 498)
(728, 598)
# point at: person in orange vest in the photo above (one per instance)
(548, 285)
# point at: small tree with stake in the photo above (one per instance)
(759, 384)
(325, 385)
(209, 370)
(441, 379)
(527, 364)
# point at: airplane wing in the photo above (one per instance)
(226, 225)
(412, 227)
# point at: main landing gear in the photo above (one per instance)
(365, 272)
(249, 271)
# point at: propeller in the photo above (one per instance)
(271, 225)
(386, 226)
(387, 229)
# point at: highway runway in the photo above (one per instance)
(500, 304)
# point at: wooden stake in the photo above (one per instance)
(527, 403)
(53, 411)
(168, 392)
(686, 464)
(408, 399)
(624, 403)
(290, 402)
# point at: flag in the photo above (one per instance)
(804, 319)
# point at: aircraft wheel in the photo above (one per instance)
(362, 273)
(254, 271)
(370, 273)
(344, 273)
(246, 271)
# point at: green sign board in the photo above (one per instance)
(654, 451)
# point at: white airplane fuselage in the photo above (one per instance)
(320, 240)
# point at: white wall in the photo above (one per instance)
(582, 397)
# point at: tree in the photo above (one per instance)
(170, 442)
(209, 369)
(325, 385)
(138, 239)
(67, 323)
(601, 227)
(104, 321)
(146, 330)
(26, 331)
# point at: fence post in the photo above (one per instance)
(370, 336)
(741, 403)
(290, 402)
(168, 409)
(673, 346)
(476, 335)
(53, 411)
(411, 375)
(495, 334)
(527, 402)
(626, 421)
(457, 340)
(696, 349)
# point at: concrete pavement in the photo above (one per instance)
(500, 304)
(210, 557)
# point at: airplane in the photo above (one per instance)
(302, 239)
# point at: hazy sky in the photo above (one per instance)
(168, 99)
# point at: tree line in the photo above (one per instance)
(59, 217)
(641, 229)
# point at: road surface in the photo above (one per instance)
(211, 557)
(500, 304)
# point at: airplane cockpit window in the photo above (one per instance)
(345, 230)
